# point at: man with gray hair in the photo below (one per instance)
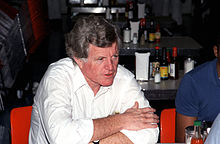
(88, 97)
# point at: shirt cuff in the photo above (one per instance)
(86, 130)
(148, 136)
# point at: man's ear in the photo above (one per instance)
(78, 61)
(215, 49)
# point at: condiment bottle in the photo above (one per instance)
(157, 75)
(164, 65)
(127, 33)
(174, 68)
(188, 65)
(168, 60)
(156, 61)
(135, 38)
(126, 10)
(142, 27)
(197, 137)
(130, 10)
(151, 32)
(145, 31)
(142, 41)
(157, 34)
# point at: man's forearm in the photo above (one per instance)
(106, 127)
(132, 119)
(118, 138)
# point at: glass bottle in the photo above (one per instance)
(135, 9)
(168, 60)
(151, 32)
(135, 38)
(126, 10)
(130, 10)
(127, 33)
(141, 28)
(174, 66)
(157, 34)
(164, 65)
(206, 126)
(188, 64)
(145, 31)
(197, 137)
(156, 61)
(142, 41)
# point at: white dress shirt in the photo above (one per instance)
(214, 134)
(65, 105)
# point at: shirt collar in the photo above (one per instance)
(79, 78)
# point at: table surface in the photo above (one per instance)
(165, 90)
(185, 46)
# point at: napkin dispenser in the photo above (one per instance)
(142, 66)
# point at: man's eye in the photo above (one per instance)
(115, 56)
(101, 58)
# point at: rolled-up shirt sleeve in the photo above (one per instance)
(134, 93)
(146, 136)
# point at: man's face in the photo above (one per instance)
(101, 65)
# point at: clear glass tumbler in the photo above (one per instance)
(189, 131)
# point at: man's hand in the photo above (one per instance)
(140, 118)
(134, 118)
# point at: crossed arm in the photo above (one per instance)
(107, 130)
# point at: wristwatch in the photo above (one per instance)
(96, 142)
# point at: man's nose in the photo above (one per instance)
(109, 64)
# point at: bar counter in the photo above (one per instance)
(165, 90)
(185, 45)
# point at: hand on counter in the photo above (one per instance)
(140, 118)
(133, 119)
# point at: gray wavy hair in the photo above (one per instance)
(93, 30)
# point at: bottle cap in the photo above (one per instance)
(174, 48)
(189, 59)
(142, 22)
(197, 123)
(157, 47)
(157, 68)
(174, 51)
